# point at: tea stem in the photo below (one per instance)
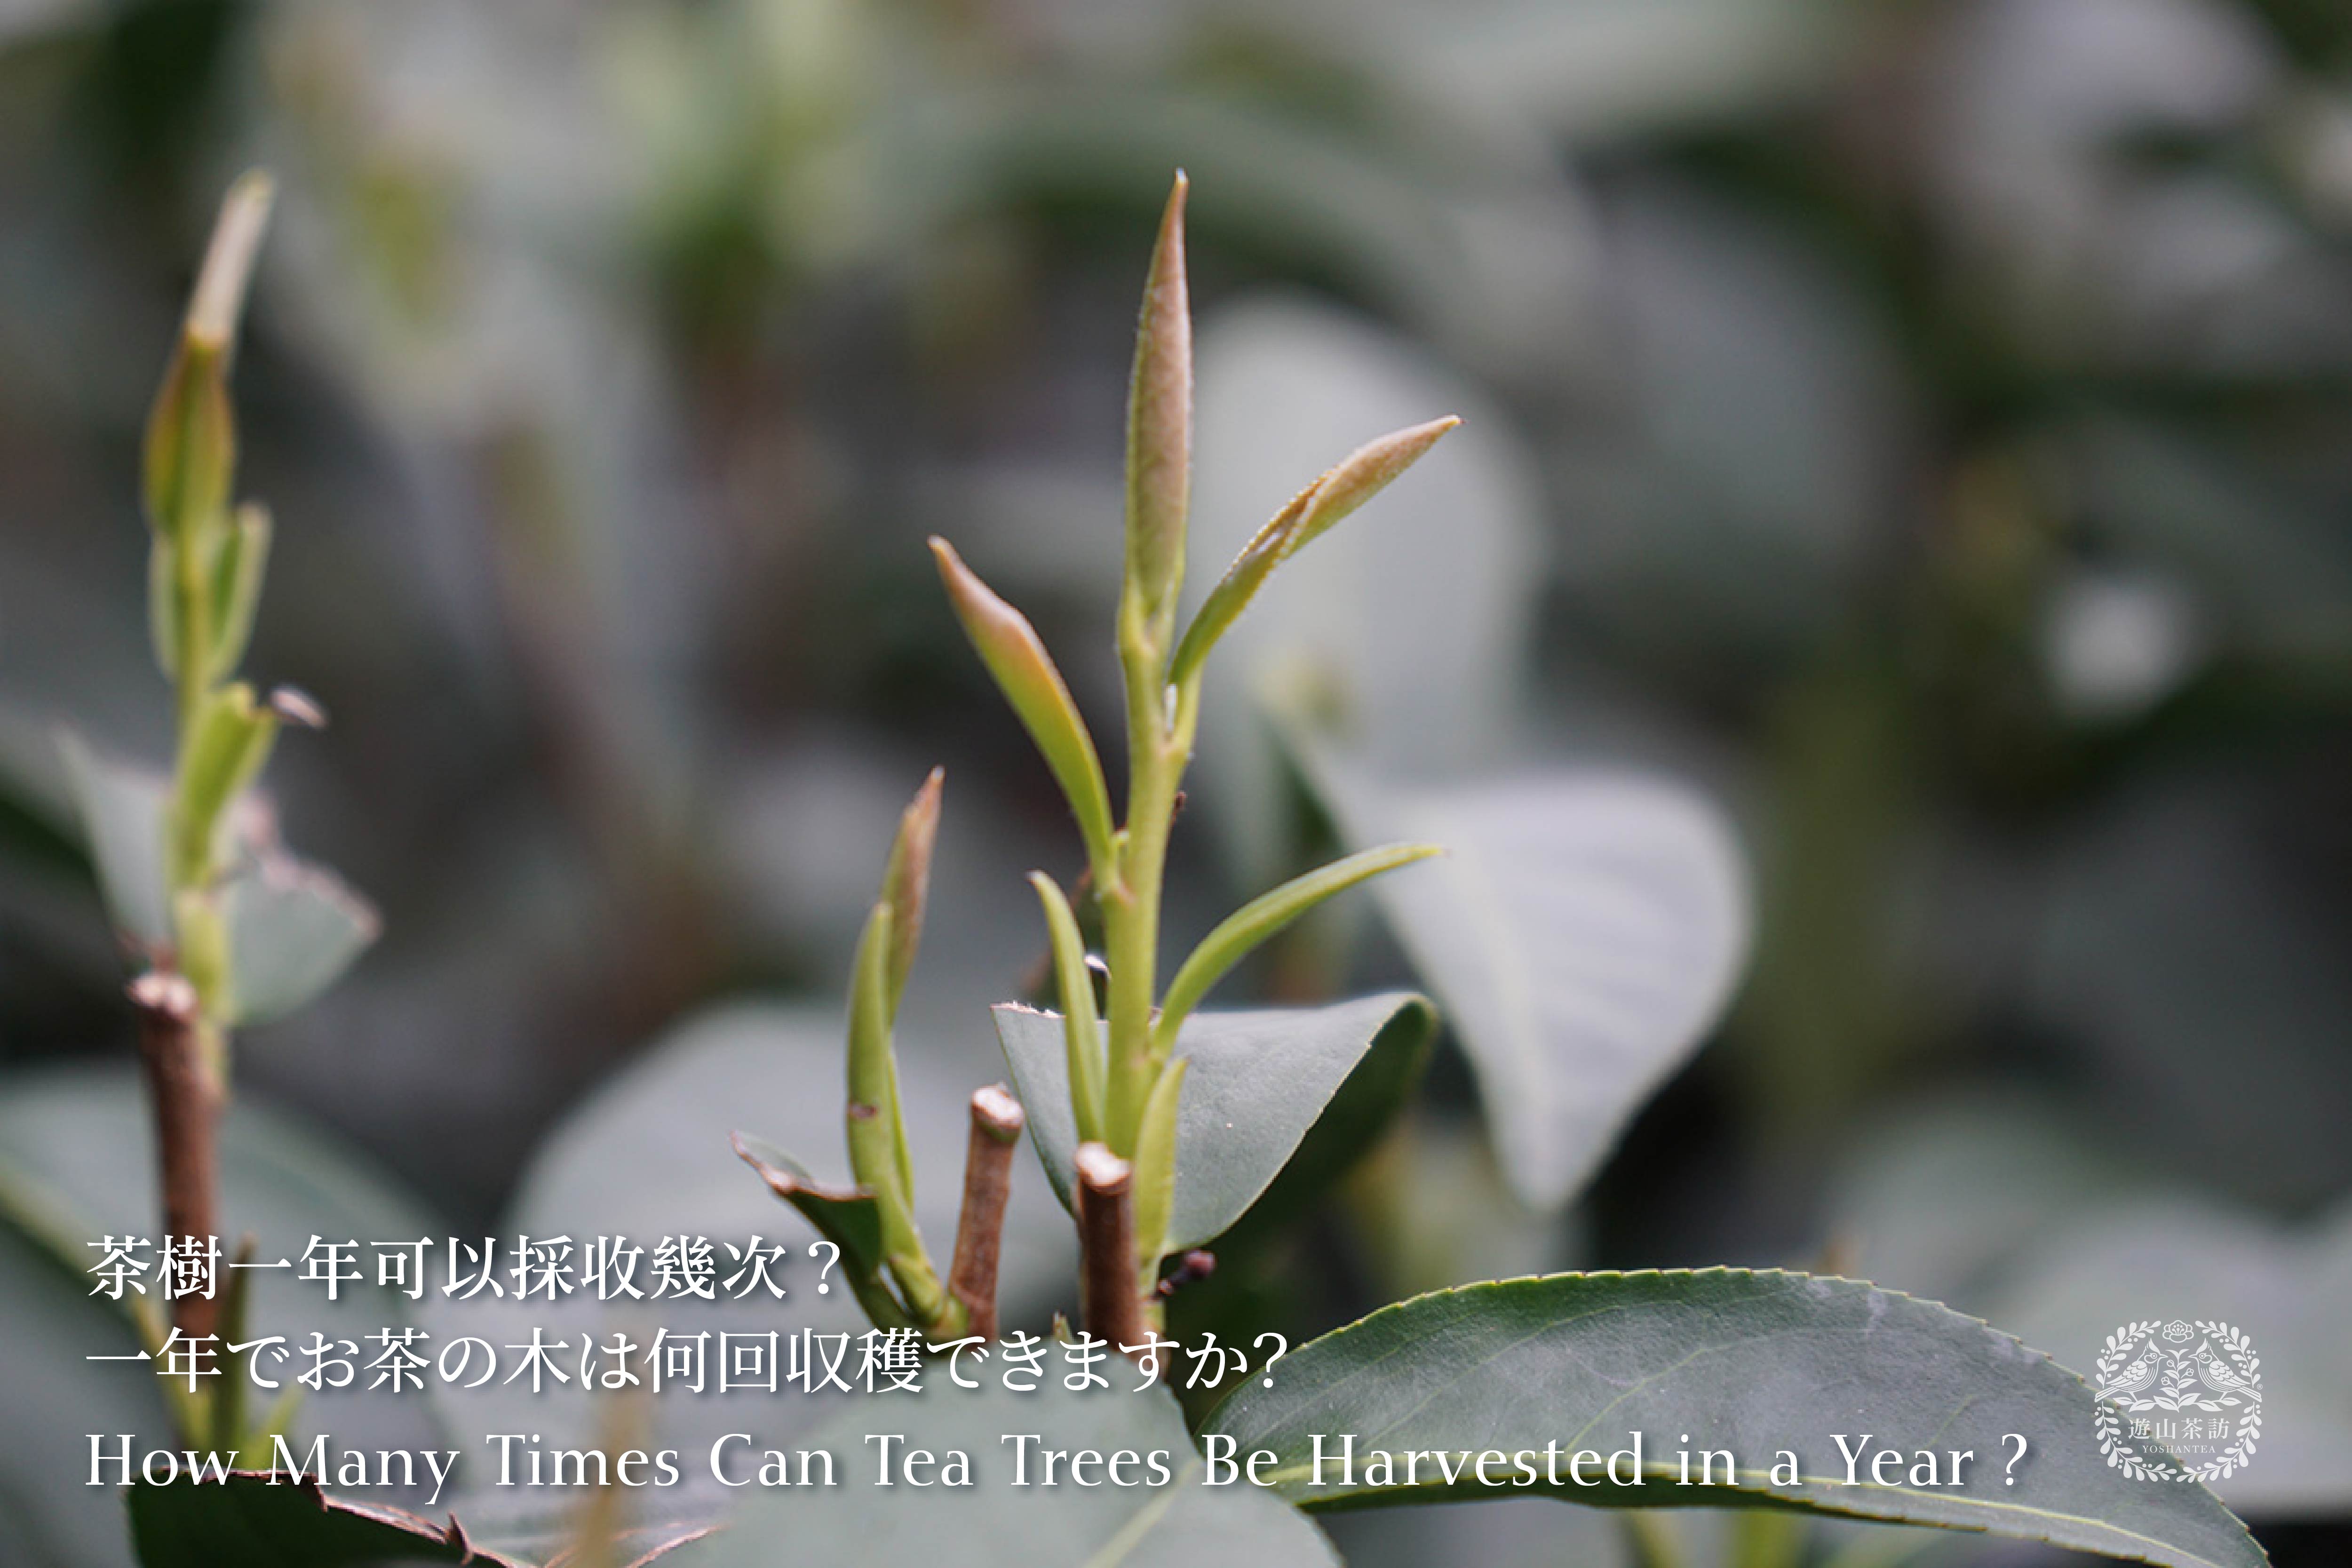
(996, 1122)
(1110, 1305)
(187, 1116)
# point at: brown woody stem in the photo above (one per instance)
(187, 1117)
(996, 1122)
(1108, 1301)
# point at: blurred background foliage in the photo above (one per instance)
(1925, 426)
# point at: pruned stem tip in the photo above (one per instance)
(996, 1122)
(1109, 1303)
(187, 1114)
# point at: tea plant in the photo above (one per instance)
(229, 927)
(1162, 1126)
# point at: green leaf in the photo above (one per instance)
(1582, 934)
(647, 1154)
(79, 1141)
(52, 1394)
(218, 298)
(1160, 429)
(122, 811)
(293, 927)
(163, 603)
(254, 1522)
(1026, 673)
(237, 590)
(2283, 1285)
(878, 1157)
(191, 447)
(1337, 492)
(1259, 1081)
(1155, 1162)
(851, 1220)
(1081, 1036)
(1239, 933)
(258, 1521)
(75, 1164)
(993, 1523)
(2015, 1211)
(1752, 1361)
(1412, 620)
(880, 1160)
(1363, 474)
(190, 455)
(226, 750)
(906, 880)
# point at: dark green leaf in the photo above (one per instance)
(2283, 1287)
(76, 1164)
(256, 1520)
(850, 1218)
(254, 1523)
(995, 1524)
(1259, 1081)
(2014, 1210)
(1726, 1359)
(52, 1396)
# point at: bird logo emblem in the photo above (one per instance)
(2128, 1384)
(2218, 1375)
(2178, 1400)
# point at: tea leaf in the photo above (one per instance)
(1341, 490)
(191, 451)
(1360, 476)
(1081, 1028)
(265, 1522)
(218, 298)
(880, 1158)
(1749, 1362)
(293, 927)
(1240, 933)
(1411, 620)
(1025, 672)
(75, 1148)
(994, 1524)
(1583, 934)
(236, 587)
(1160, 429)
(191, 445)
(1259, 1081)
(1155, 1162)
(122, 809)
(232, 738)
(851, 1220)
(906, 883)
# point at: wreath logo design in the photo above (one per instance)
(2179, 1401)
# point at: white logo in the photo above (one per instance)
(2179, 1401)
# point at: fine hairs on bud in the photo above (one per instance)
(1159, 422)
